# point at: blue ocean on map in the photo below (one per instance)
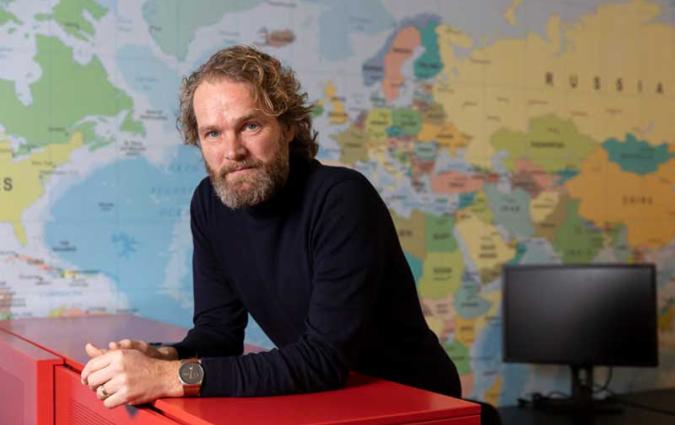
(153, 78)
(334, 41)
(121, 220)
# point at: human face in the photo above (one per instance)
(245, 150)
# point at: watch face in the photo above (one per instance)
(191, 373)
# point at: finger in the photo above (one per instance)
(100, 377)
(92, 350)
(102, 393)
(115, 399)
(124, 344)
(115, 384)
(93, 365)
(135, 344)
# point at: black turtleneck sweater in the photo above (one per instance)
(320, 268)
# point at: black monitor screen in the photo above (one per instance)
(580, 314)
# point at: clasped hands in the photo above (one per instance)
(131, 372)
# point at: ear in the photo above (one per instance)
(288, 133)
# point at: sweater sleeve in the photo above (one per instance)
(349, 230)
(219, 316)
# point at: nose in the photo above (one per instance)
(234, 149)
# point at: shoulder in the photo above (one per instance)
(328, 178)
(342, 187)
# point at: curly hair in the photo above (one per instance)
(273, 87)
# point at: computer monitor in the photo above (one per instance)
(581, 316)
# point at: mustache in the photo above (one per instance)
(237, 166)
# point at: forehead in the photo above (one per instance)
(223, 92)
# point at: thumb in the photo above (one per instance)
(92, 350)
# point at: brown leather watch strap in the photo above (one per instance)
(191, 390)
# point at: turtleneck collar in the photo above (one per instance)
(283, 198)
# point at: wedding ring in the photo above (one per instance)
(104, 393)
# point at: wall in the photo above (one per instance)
(497, 132)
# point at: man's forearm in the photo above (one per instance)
(168, 373)
(208, 342)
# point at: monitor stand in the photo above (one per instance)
(581, 401)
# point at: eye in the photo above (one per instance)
(252, 126)
(211, 134)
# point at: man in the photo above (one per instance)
(309, 251)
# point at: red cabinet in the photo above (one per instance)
(77, 405)
(26, 382)
(40, 362)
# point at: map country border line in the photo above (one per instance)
(59, 272)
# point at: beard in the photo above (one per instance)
(256, 185)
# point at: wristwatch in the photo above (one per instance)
(191, 375)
